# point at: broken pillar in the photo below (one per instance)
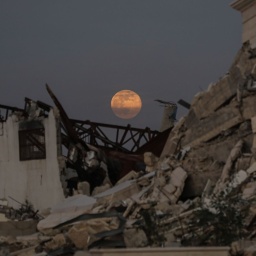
(169, 115)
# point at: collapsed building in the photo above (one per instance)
(103, 195)
(45, 153)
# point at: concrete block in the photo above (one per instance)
(178, 177)
(170, 188)
(79, 235)
(239, 178)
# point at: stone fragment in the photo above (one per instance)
(239, 178)
(243, 163)
(79, 235)
(187, 204)
(251, 169)
(249, 190)
(164, 164)
(57, 242)
(150, 161)
(171, 240)
(83, 188)
(170, 188)
(173, 199)
(178, 177)
(178, 192)
(208, 189)
(135, 238)
(241, 246)
(160, 181)
(82, 234)
(249, 219)
(234, 154)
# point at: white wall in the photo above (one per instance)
(38, 181)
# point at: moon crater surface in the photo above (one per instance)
(126, 104)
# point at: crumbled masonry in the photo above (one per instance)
(206, 168)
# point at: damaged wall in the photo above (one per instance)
(37, 180)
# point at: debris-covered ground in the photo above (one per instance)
(199, 191)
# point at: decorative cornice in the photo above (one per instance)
(241, 5)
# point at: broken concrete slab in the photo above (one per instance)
(215, 96)
(213, 125)
(66, 210)
(119, 192)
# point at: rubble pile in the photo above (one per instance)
(204, 179)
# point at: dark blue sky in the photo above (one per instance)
(87, 50)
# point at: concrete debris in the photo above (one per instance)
(200, 190)
(135, 238)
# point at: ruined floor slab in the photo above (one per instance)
(210, 127)
(119, 192)
(68, 209)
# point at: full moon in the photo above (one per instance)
(126, 104)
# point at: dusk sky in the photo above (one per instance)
(87, 50)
